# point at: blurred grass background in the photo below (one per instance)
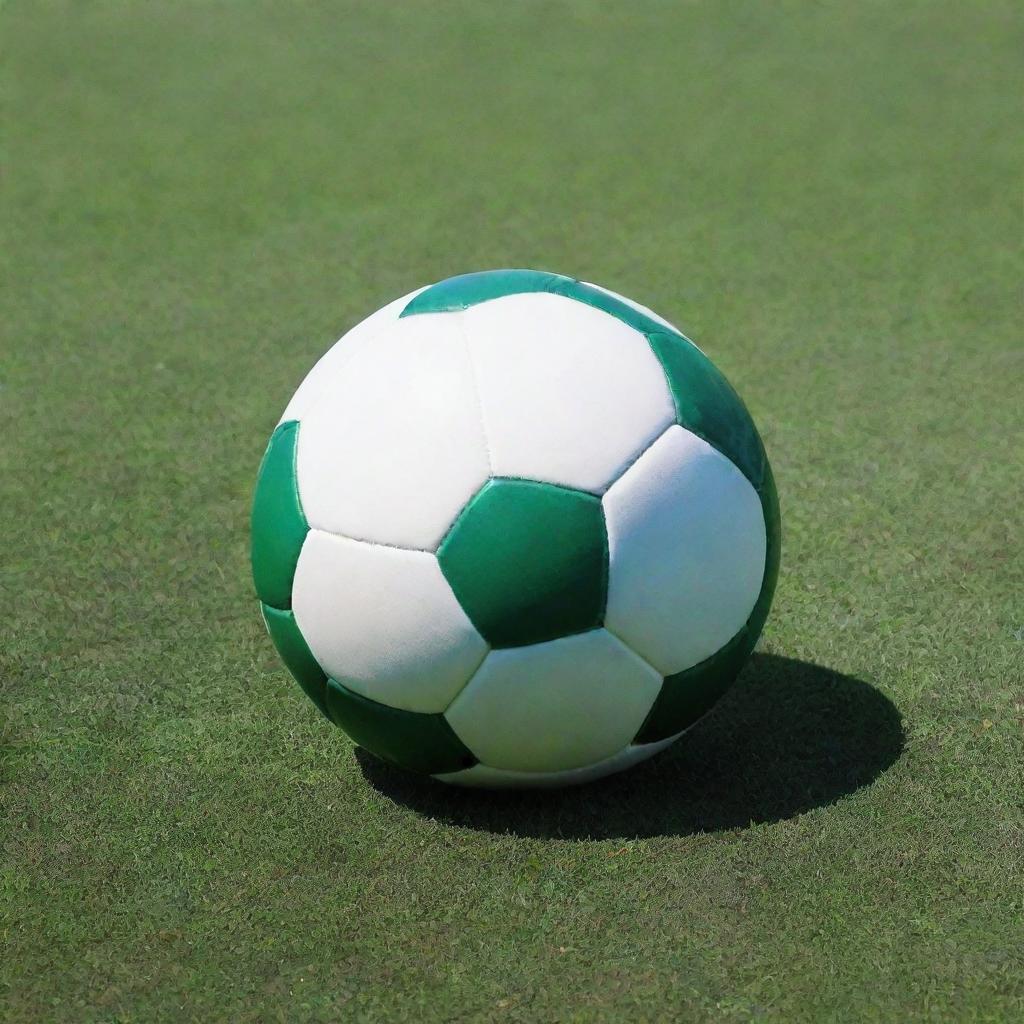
(198, 198)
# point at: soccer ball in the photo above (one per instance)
(515, 529)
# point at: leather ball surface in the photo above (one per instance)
(515, 529)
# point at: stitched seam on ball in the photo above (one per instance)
(632, 650)
(462, 688)
(642, 452)
(371, 543)
(606, 564)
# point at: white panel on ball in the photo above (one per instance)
(384, 622)
(318, 381)
(686, 540)
(396, 448)
(559, 705)
(499, 778)
(570, 394)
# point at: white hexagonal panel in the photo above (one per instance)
(395, 447)
(555, 706)
(498, 778)
(319, 379)
(384, 622)
(686, 540)
(570, 394)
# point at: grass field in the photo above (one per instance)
(198, 198)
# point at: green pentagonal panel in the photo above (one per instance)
(295, 653)
(707, 405)
(773, 528)
(528, 561)
(471, 289)
(686, 696)
(278, 524)
(552, 584)
(410, 739)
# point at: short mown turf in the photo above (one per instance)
(199, 198)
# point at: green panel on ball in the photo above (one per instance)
(471, 289)
(410, 739)
(528, 561)
(278, 524)
(687, 696)
(295, 653)
(773, 527)
(707, 405)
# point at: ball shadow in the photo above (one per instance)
(788, 737)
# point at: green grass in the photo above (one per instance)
(198, 198)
